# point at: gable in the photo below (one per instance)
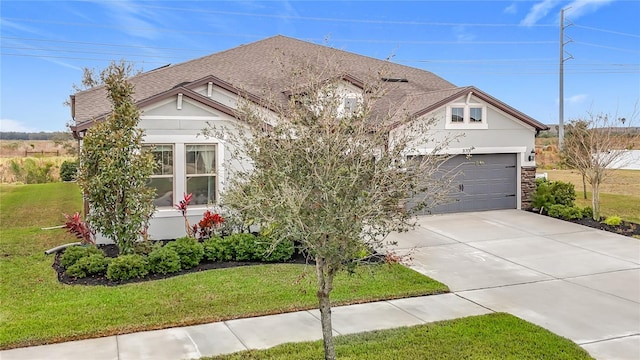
(169, 109)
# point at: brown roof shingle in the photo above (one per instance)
(252, 67)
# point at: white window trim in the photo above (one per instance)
(466, 124)
(179, 143)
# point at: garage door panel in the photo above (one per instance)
(483, 182)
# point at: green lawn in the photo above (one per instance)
(626, 207)
(37, 309)
(493, 336)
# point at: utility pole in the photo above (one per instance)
(561, 91)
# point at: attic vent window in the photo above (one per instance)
(385, 79)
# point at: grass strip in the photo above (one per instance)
(492, 336)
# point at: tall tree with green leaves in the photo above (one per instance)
(114, 170)
(331, 176)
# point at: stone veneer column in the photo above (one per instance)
(528, 188)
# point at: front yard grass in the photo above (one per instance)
(493, 336)
(619, 194)
(37, 309)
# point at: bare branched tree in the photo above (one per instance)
(596, 145)
(330, 173)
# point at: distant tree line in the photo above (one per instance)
(17, 135)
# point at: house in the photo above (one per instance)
(177, 101)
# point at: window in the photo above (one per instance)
(162, 178)
(466, 116)
(457, 114)
(475, 114)
(201, 173)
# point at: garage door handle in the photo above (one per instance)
(461, 187)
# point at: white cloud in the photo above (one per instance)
(538, 11)
(511, 9)
(462, 34)
(578, 8)
(577, 99)
(13, 125)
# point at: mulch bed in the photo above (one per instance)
(112, 251)
(625, 228)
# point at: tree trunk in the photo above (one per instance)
(584, 186)
(325, 284)
(595, 200)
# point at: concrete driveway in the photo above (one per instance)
(580, 283)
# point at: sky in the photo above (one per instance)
(509, 49)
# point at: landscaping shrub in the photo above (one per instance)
(190, 251)
(74, 253)
(587, 212)
(30, 172)
(553, 193)
(126, 267)
(246, 246)
(565, 212)
(94, 264)
(563, 193)
(613, 221)
(144, 247)
(266, 251)
(69, 170)
(164, 260)
(219, 249)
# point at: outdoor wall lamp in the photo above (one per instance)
(532, 156)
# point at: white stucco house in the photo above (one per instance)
(177, 101)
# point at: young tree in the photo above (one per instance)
(114, 170)
(331, 177)
(594, 146)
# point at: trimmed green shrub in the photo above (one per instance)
(126, 267)
(69, 170)
(555, 210)
(246, 246)
(267, 251)
(74, 253)
(164, 260)
(189, 250)
(563, 193)
(94, 264)
(145, 247)
(613, 220)
(587, 212)
(553, 193)
(219, 249)
(565, 212)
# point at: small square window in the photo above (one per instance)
(457, 114)
(475, 114)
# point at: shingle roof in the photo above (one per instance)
(253, 67)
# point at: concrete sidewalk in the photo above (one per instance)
(193, 342)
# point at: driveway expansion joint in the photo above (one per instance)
(607, 339)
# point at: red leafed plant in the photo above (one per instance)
(182, 206)
(209, 223)
(79, 228)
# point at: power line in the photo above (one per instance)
(89, 52)
(358, 21)
(607, 47)
(99, 44)
(606, 31)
